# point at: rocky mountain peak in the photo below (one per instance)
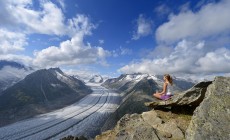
(55, 70)
(96, 79)
(42, 89)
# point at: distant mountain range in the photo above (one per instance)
(128, 82)
(136, 89)
(45, 90)
(12, 72)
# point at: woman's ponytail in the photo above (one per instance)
(169, 78)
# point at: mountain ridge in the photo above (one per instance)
(45, 89)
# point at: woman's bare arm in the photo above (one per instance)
(164, 89)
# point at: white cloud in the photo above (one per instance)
(185, 7)
(162, 9)
(159, 51)
(27, 60)
(70, 52)
(8, 72)
(125, 51)
(101, 41)
(186, 58)
(74, 51)
(80, 25)
(202, 50)
(143, 27)
(216, 61)
(23, 20)
(212, 20)
(19, 19)
(11, 41)
(20, 16)
(121, 51)
(62, 4)
(48, 19)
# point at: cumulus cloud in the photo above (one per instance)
(70, 52)
(26, 60)
(192, 44)
(73, 51)
(19, 19)
(159, 51)
(80, 25)
(143, 27)
(211, 20)
(216, 61)
(47, 19)
(11, 41)
(186, 58)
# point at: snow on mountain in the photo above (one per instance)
(128, 81)
(136, 89)
(69, 80)
(134, 77)
(96, 79)
(40, 92)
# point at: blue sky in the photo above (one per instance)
(110, 37)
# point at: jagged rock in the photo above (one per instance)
(145, 126)
(168, 129)
(211, 119)
(193, 96)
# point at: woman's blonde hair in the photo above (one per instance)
(169, 78)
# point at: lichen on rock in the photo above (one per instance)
(211, 120)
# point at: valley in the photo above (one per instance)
(71, 120)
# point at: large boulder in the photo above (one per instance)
(211, 120)
(145, 126)
(193, 96)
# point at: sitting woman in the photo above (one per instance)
(167, 92)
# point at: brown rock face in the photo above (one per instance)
(145, 126)
(211, 120)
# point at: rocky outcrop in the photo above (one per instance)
(145, 126)
(136, 89)
(211, 119)
(193, 96)
(132, 103)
